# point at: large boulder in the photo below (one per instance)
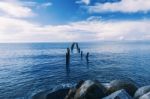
(72, 91)
(121, 94)
(116, 85)
(40, 95)
(145, 96)
(79, 84)
(59, 94)
(70, 94)
(141, 91)
(90, 90)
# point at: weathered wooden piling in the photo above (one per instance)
(67, 61)
(68, 56)
(78, 50)
(81, 54)
(87, 56)
(75, 45)
(72, 47)
(68, 51)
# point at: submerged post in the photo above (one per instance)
(87, 56)
(81, 54)
(68, 56)
(78, 50)
(72, 47)
(75, 45)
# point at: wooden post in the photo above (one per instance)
(78, 50)
(68, 56)
(81, 54)
(72, 47)
(87, 56)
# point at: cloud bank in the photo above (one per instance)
(14, 28)
(126, 6)
(15, 10)
(11, 31)
(87, 2)
(20, 9)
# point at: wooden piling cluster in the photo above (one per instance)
(78, 50)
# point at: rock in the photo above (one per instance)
(141, 91)
(79, 84)
(40, 95)
(59, 94)
(71, 94)
(90, 90)
(145, 96)
(116, 85)
(121, 94)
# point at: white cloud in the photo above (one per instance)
(15, 9)
(88, 30)
(43, 5)
(15, 29)
(11, 31)
(32, 4)
(20, 9)
(126, 6)
(46, 4)
(87, 2)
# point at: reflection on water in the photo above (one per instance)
(30, 68)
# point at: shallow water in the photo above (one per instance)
(28, 68)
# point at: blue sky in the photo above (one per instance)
(74, 10)
(74, 20)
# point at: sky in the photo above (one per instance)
(74, 20)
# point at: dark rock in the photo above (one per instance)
(79, 84)
(71, 94)
(40, 95)
(90, 90)
(141, 91)
(145, 96)
(116, 85)
(121, 94)
(59, 94)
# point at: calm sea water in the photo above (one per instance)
(26, 69)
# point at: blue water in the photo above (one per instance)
(29, 68)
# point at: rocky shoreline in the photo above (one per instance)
(93, 89)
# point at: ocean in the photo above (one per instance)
(29, 68)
